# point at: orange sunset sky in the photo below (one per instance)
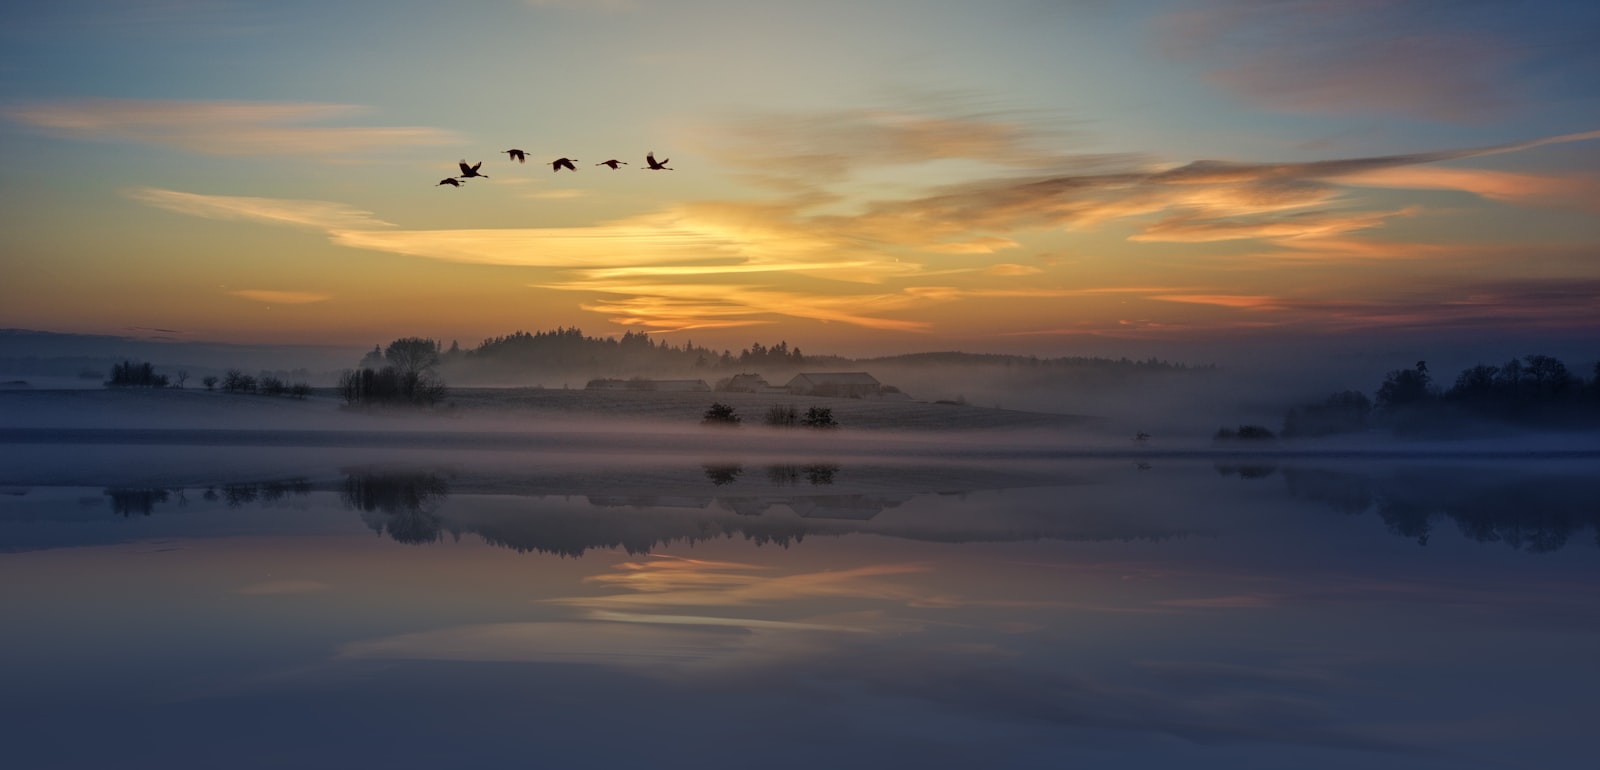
(860, 177)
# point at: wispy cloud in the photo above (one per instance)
(321, 215)
(279, 297)
(224, 127)
(1448, 61)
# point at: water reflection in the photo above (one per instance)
(402, 504)
(135, 502)
(786, 503)
(1089, 615)
(1536, 513)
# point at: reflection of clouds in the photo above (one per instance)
(683, 582)
(282, 587)
(624, 644)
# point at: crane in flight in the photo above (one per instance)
(472, 170)
(517, 155)
(563, 163)
(613, 163)
(650, 158)
(449, 180)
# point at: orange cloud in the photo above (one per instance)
(1569, 192)
(276, 297)
(1239, 301)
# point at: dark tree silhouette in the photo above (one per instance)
(1405, 387)
(819, 417)
(720, 414)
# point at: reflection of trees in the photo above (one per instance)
(818, 474)
(1246, 472)
(723, 474)
(127, 502)
(401, 503)
(1526, 512)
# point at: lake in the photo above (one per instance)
(166, 607)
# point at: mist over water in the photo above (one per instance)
(1078, 573)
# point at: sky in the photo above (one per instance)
(852, 176)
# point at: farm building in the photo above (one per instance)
(838, 384)
(749, 383)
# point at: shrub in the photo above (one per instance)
(1244, 433)
(130, 374)
(720, 414)
(782, 416)
(819, 417)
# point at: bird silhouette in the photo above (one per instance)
(613, 163)
(517, 155)
(449, 180)
(650, 158)
(563, 163)
(472, 170)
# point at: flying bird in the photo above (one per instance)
(563, 163)
(613, 163)
(517, 155)
(449, 180)
(650, 158)
(472, 170)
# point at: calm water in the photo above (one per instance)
(530, 612)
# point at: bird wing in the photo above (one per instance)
(464, 168)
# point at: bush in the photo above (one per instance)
(819, 417)
(1244, 433)
(782, 416)
(720, 414)
(129, 374)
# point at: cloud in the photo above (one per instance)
(1576, 192)
(276, 297)
(223, 127)
(805, 150)
(1239, 301)
(1461, 61)
(1006, 269)
(321, 215)
(877, 256)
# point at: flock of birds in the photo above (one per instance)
(521, 156)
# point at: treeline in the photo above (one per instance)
(956, 358)
(569, 350)
(138, 374)
(1535, 390)
(236, 381)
